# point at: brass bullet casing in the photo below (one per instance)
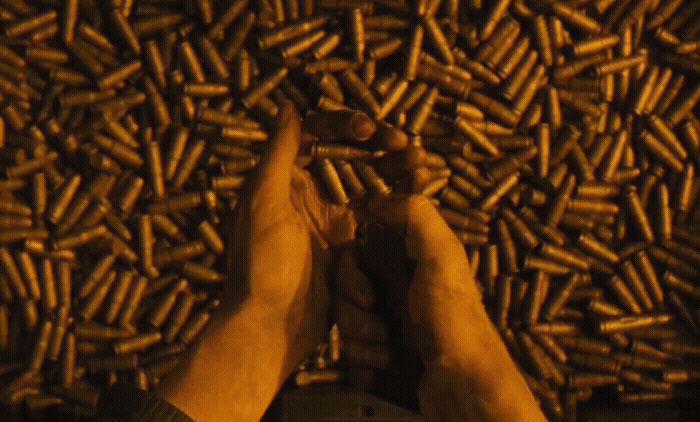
(59, 205)
(494, 16)
(590, 244)
(360, 92)
(544, 43)
(681, 308)
(408, 100)
(576, 18)
(505, 29)
(542, 141)
(29, 24)
(41, 344)
(413, 55)
(527, 92)
(561, 201)
(503, 297)
(679, 348)
(506, 247)
(626, 323)
(500, 189)
(684, 190)
(511, 58)
(218, 27)
(595, 44)
(332, 181)
(437, 75)
(662, 12)
(357, 30)
(519, 229)
(535, 296)
(235, 39)
(474, 136)
(545, 265)
(301, 44)
(275, 37)
(180, 312)
(634, 207)
(350, 178)
(242, 66)
(493, 108)
(562, 255)
(623, 294)
(68, 359)
(535, 355)
(613, 155)
(132, 301)
(420, 112)
(559, 298)
(118, 294)
(682, 107)
(604, 309)
(450, 196)
(392, 98)
(618, 65)
(125, 31)
(636, 285)
(660, 150)
(145, 243)
(644, 90)
(193, 326)
(201, 273)
(590, 379)
(669, 94)
(165, 303)
(666, 135)
(673, 263)
(137, 343)
(438, 39)
(489, 269)
(595, 362)
(659, 87)
(268, 84)
(514, 81)
(96, 297)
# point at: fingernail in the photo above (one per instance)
(362, 126)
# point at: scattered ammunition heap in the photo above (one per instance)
(561, 138)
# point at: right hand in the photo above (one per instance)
(468, 373)
(442, 294)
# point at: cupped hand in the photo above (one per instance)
(285, 233)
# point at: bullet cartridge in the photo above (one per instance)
(503, 297)
(636, 285)
(438, 38)
(580, 380)
(682, 310)
(96, 296)
(193, 326)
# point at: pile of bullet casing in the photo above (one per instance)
(560, 136)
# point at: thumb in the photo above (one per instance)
(275, 167)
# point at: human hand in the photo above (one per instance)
(283, 236)
(286, 233)
(468, 373)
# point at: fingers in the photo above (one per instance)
(352, 283)
(276, 164)
(415, 182)
(396, 165)
(344, 124)
(359, 324)
(426, 231)
(388, 137)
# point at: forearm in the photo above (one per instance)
(499, 390)
(236, 369)
(474, 370)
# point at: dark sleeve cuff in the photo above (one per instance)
(126, 403)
